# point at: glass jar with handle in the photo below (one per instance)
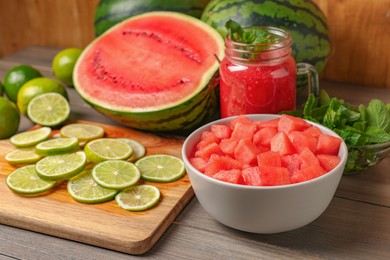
(261, 78)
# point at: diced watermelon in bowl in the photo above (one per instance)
(269, 186)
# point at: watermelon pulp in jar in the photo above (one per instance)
(258, 78)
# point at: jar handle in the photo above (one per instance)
(312, 74)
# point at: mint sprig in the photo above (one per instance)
(358, 126)
(250, 35)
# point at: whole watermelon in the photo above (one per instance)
(301, 18)
(110, 12)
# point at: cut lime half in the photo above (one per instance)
(25, 180)
(116, 174)
(57, 146)
(49, 109)
(23, 156)
(103, 149)
(83, 132)
(160, 168)
(138, 198)
(31, 138)
(138, 149)
(61, 167)
(83, 188)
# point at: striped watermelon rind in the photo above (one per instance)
(111, 12)
(301, 18)
(199, 107)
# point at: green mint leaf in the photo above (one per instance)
(235, 31)
(378, 115)
(377, 135)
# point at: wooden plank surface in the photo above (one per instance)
(106, 224)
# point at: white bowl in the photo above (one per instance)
(263, 209)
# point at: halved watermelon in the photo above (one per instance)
(153, 72)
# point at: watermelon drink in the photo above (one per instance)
(258, 78)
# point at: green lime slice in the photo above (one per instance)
(160, 168)
(57, 146)
(138, 149)
(50, 109)
(25, 180)
(83, 132)
(31, 138)
(103, 149)
(83, 188)
(138, 198)
(116, 174)
(61, 167)
(23, 156)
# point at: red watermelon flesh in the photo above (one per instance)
(147, 49)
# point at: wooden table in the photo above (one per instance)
(356, 224)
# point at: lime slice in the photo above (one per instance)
(61, 167)
(103, 149)
(83, 132)
(83, 188)
(31, 138)
(138, 149)
(26, 180)
(116, 174)
(160, 168)
(57, 146)
(50, 109)
(138, 198)
(23, 156)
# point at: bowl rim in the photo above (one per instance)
(343, 149)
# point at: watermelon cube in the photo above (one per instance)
(282, 144)
(300, 140)
(246, 152)
(227, 146)
(219, 162)
(199, 163)
(308, 158)
(297, 176)
(243, 130)
(263, 136)
(271, 175)
(269, 123)
(232, 176)
(313, 130)
(251, 176)
(207, 138)
(241, 119)
(328, 144)
(292, 162)
(221, 131)
(311, 172)
(327, 161)
(269, 158)
(289, 123)
(208, 150)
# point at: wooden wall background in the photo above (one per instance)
(360, 33)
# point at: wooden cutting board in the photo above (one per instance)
(105, 225)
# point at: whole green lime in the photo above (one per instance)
(37, 87)
(9, 118)
(63, 64)
(15, 78)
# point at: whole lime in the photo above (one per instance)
(63, 64)
(37, 87)
(15, 78)
(9, 118)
